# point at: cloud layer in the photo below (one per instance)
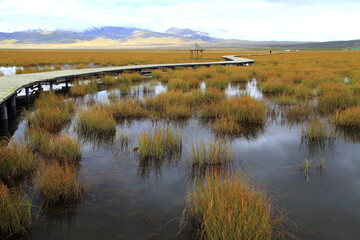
(251, 20)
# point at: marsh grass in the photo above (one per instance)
(133, 77)
(214, 153)
(96, 120)
(208, 96)
(297, 113)
(59, 183)
(15, 212)
(16, 160)
(160, 143)
(178, 84)
(128, 108)
(219, 81)
(349, 118)
(60, 147)
(242, 110)
(53, 112)
(318, 130)
(230, 208)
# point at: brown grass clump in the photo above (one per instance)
(59, 184)
(193, 83)
(215, 153)
(178, 84)
(16, 160)
(242, 110)
(161, 143)
(210, 95)
(60, 147)
(96, 120)
(53, 112)
(317, 130)
(231, 208)
(219, 81)
(128, 108)
(15, 212)
(349, 118)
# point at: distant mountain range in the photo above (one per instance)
(123, 37)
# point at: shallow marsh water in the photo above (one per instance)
(130, 199)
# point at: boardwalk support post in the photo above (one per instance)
(3, 110)
(13, 101)
(27, 94)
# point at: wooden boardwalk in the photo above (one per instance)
(10, 85)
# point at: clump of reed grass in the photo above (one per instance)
(81, 89)
(96, 120)
(215, 153)
(159, 144)
(298, 113)
(109, 80)
(177, 112)
(130, 77)
(193, 83)
(219, 81)
(160, 75)
(317, 129)
(332, 101)
(178, 84)
(15, 212)
(231, 208)
(128, 108)
(16, 160)
(274, 85)
(77, 90)
(227, 125)
(53, 112)
(208, 96)
(242, 110)
(60, 147)
(239, 77)
(59, 183)
(349, 118)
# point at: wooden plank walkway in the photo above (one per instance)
(9, 85)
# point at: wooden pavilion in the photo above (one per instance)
(196, 52)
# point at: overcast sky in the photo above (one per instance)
(317, 20)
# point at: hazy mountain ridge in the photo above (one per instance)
(131, 37)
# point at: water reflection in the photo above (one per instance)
(8, 71)
(251, 90)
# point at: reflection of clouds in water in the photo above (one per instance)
(250, 90)
(9, 70)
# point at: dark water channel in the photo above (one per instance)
(131, 200)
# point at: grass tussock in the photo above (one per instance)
(159, 144)
(178, 84)
(231, 208)
(60, 147)
(128, 108)
(317, 130)
(59, 183)
(15, 212)
(96, 120)
(53, 112)
(16, 160)
(242, 110)
(81, 89)
(215, 153)
(349, 118)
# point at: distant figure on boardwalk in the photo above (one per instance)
(270, 51)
